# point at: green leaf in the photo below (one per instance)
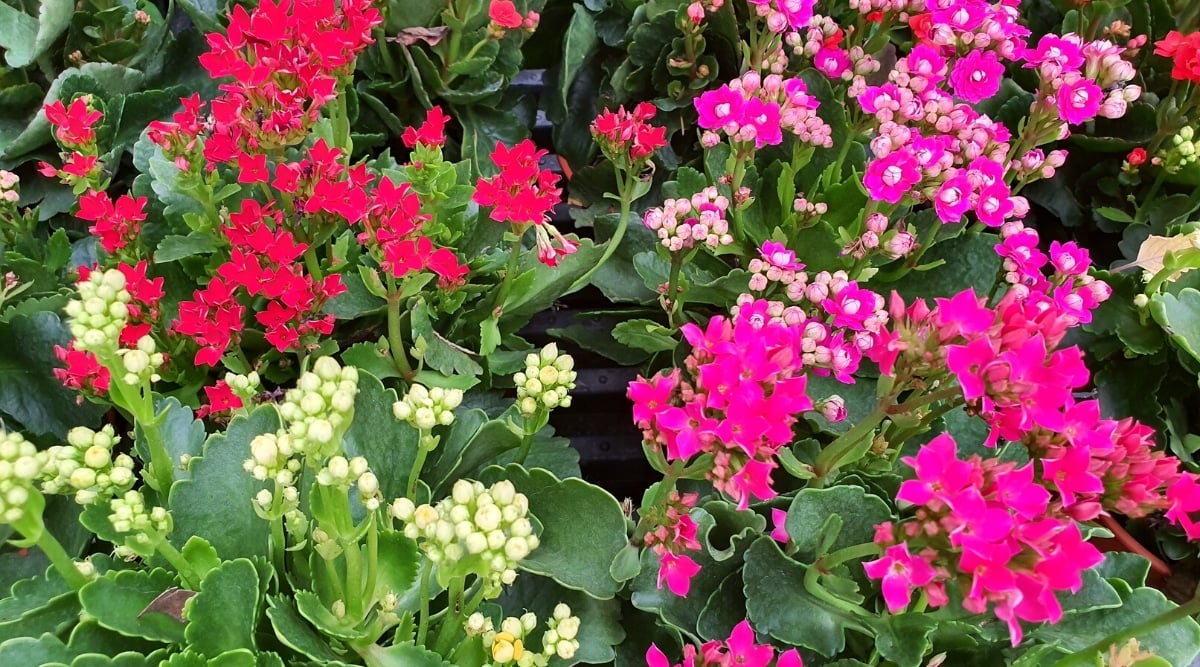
(201, 555)
(1114, 214)
(29, 392)
(1179, 316)
(117, 601)
(356, 301)
(54, 16)
(904, 638)
(600, 620)
(440, 354)
(367, 357)
(1130, 568)
(578, 45)
(174, 248)
(403, 655)
(398, 563)
(859, 511)
(645, 335)
(223, 615)
(971, 262)
(203, 14)
(627, 564)
(218, 480)
(725, 608)
(779, 605)
(1096, 593)
(311, 608)
(294, 632)
(18, 31)
(483, 127)
(37, 605)
(44, 650)
(389, 446)
(1177, 642)
(576, 555)
(599, 339)
(547, 284)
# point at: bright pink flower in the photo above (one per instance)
(722, 108)
(1078, 99)
(521, 193)
(677, 572)
(899, 572)
(504, 14)
(743, 649)
(977, 76)
(779, 520)
(893, 176)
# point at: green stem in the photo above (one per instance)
(849, 553)
(625, 186)
(335, 579)
(372, 560)
(470, 54)
(672, 301)
(527, 436)
(186, 572)
(313, 264)
(831, 456)
(395, 338)
(63, 564)
(423, 623)
(1140, 214)
(925, 399)
(1186, 610)
(452, 622)
(278, 540)
(812, 584)
(414, 474)
(510, 272)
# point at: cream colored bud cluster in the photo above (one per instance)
(244, 387)
(142, 527)
(546, 381)
(1181, 152)
(19, 468)
(508, 645)
(141, 363)
(320, 408)
(424, 408)
(274, 456)
(99, 314)
(86, 466)
(490, 525)
(340, 472)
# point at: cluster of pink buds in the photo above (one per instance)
(1075, 74)
(700, 8)
(782, 15)
(758, 109)
(877, 237)
(683, 223)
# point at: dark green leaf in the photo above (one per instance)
(645, 335)
(175, 247)
(859, 511)
(295, 632)
(390, 446)
(29, 392)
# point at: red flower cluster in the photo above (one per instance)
(392, 225)
(73, 125)
(286, 59)
(263, 262)
(524, 194)
(627, 138)
(116, 224)
(521, 193)
(431, 133)
(1184, 50)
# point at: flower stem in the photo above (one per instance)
(372, 560)
(63, 564)
(452, 621)
(186, 572)
(625, 186)
(671, 300)
(510, 271)
(414, 474)
(395, 338)
(527, 437)
(831, 456)
(423, 623)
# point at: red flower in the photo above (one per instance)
(1184, 50)
(431, 133)
(627, 138)
(1136, 157)
(83, 371)
(504, 14)
(73, 125)
(521, 193)
(220, 399)
(116, 225)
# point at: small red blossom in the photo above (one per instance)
(83, 371)
(1136, 157)
(73, 125)
(431, 133)
(521, 193)
(504, 14)
(627, 138)
(221, 398)
(116, 224)
(1184, 52)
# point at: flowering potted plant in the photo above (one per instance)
(327, 440)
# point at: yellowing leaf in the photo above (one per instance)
(1155, 248)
